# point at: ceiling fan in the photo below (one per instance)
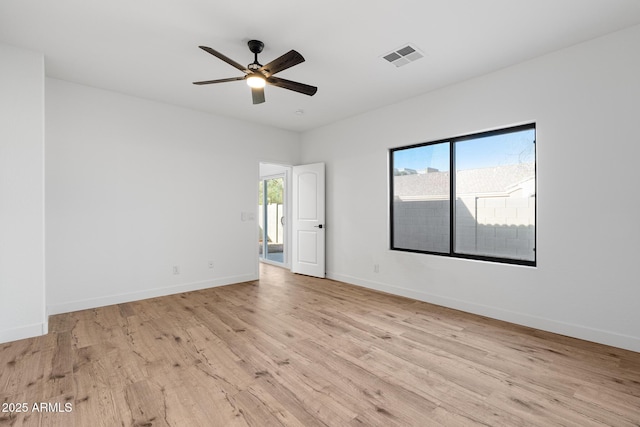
(258, 75)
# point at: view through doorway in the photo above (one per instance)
(272, 214)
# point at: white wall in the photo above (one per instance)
(22, 312)
(584, 101)
(135, 187)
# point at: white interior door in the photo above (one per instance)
(308, 227)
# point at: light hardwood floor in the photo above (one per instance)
(291, 350)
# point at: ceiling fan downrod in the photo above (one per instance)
(255, 46)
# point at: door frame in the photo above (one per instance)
(268, 170)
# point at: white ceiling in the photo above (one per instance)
(149, 48)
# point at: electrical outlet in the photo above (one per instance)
(210, 264)
(176, 269)
(376, 268)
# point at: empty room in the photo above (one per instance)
(410, 213)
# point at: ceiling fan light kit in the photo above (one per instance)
(258, 75)
(256, 81)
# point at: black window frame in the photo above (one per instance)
(452, 196)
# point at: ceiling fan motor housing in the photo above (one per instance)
(255, 46)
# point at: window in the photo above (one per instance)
(469, 197)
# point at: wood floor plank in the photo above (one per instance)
(97, 402)
(259, 396)
(147, 404)
(24, 365)
(364, 389)
(194, 396)
(291, 350)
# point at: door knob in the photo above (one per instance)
(318, 226)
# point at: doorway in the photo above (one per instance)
(291, 217)
(273, 239)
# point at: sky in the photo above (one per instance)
(497, 150)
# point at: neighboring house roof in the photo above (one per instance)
(498, 179)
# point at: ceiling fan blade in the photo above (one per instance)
(257, 93)
(295, 86)
(224, 58)
(287, 60)
(208, 82)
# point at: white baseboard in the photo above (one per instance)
(576, 331)
(85, 304)
(29, 331)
